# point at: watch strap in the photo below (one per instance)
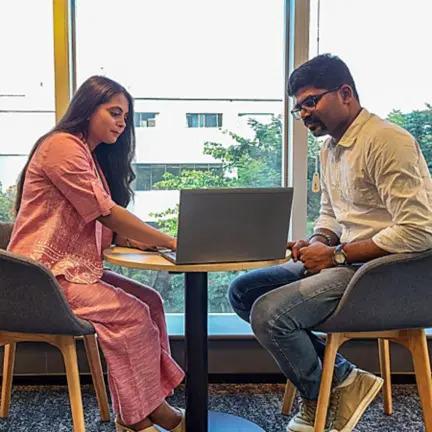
(339, 250)
(326, 237)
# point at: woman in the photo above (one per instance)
(71, 200)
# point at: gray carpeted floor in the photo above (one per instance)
(46, 408)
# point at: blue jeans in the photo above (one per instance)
(282, 306)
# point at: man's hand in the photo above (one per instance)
(316, 257)
(295, 247)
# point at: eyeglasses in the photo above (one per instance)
(309, 103)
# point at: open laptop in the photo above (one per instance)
(231, 225)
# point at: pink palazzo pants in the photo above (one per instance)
(130, 323)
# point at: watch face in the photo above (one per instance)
(339, 258)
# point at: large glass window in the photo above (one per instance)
(26, 87)
(220, 75)
(385, 50)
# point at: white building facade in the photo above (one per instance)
(170, 136)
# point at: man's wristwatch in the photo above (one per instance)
(339, 256)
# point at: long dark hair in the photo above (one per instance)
(114, 159)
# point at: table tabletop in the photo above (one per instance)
(139, 259)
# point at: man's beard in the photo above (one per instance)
(316, 126)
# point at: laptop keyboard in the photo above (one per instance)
(168, 254)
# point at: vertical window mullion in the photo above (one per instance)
(297, 52)
(62, 55)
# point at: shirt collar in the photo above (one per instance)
(350, 135)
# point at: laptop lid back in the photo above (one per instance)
(231, 225)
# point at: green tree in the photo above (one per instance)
(7, 199)
(256, 162)
(419, 124)
(397, 117)
(167, 220)
(192, 179)
(249, 162)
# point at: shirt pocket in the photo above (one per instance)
(359, 191)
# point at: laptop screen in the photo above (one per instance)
(231, 225)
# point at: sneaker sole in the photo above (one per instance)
(304, 429)
(366, 401)
(300, 428)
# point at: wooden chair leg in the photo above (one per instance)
(385, 367)
(288, 399)
(94, 361)
(66, 344)
(8, 366)
(334, 340)
(419, 351)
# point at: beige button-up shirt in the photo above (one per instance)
(376, 185)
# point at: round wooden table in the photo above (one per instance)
(198, 418)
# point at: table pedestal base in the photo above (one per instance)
(220, 422)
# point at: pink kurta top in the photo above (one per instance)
(64, 193)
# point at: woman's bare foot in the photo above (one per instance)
(166, 416)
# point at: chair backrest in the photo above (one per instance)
(5, 234)
(31, 300)
(388, 293)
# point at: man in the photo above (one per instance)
(376, 199)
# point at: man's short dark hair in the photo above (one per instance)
(325, 71)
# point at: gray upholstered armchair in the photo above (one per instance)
(33, 308)
(389, 298)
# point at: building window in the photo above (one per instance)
(145, 119)
(204, 120)
(149, 174)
